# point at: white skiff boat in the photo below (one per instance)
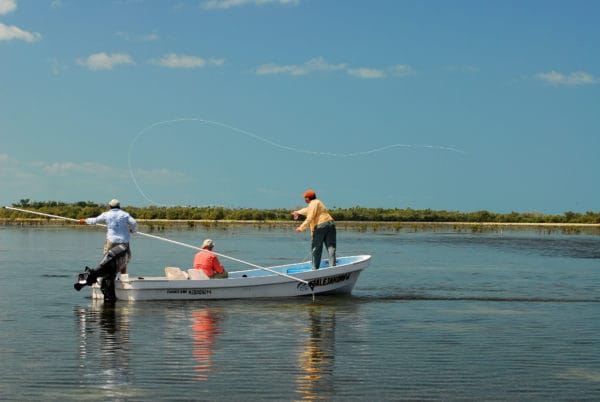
(279, 281)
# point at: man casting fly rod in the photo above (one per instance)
(117, 253)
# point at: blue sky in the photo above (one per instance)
(455, 105)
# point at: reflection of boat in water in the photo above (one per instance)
(279, 281)
(204, 330)
(317, 357)
(104, 356)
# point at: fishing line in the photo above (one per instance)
(272, 143)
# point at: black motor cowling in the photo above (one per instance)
(107, 269)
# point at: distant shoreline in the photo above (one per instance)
(360, 226)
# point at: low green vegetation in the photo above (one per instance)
(189, 214)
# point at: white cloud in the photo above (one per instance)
(225, 4)
(103, 61)
(572, 79)
(12, 32)
(173, 60)
(7, 6)
(313, 65)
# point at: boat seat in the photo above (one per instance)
(175, 273)
(197, 274)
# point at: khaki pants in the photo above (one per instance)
(108, 245)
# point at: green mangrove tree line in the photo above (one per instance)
(83, 209)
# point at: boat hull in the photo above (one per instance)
(255, 283)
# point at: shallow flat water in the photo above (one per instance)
(436, 316)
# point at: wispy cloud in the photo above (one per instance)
(45, 169)
(400, 70)
(319, 64)
(173, 60)
(162, 176)
(15, 33)
(467, 69)
(6, 159)
(225, 4)
(104, 61)
(104, 172)
(150, 37)
(572, 79)
(366, 73)
(56, 66)
(39, 179)
(7, 6)
(313, 65)
(72, 168)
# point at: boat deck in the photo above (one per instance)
(290, 269)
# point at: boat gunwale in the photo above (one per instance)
(357, 264)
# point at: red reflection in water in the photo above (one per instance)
(204, 331)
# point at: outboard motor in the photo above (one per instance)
(111, 263)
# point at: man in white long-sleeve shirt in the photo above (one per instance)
(119, 226)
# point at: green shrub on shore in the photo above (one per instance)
(189, 214)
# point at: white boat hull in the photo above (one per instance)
(255, 283)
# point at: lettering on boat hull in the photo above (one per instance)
(329, 280)
(195, 292)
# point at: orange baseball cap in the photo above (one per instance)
(309, 194)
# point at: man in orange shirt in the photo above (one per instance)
(208, 261)
(322, 228)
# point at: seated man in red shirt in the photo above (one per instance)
(209, 262)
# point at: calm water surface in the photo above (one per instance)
(437, 316)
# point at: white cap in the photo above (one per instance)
(114, 203)
(208, 243)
